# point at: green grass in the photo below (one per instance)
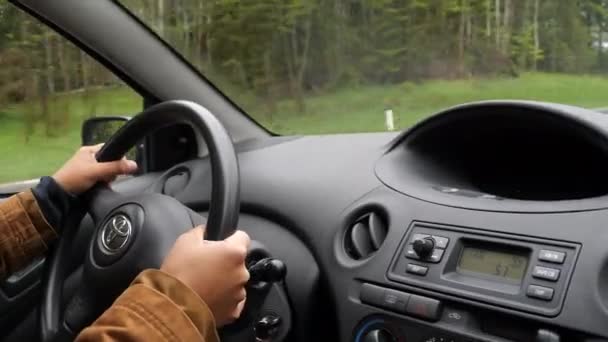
(42, 155)
(356, 109)
(362, 109)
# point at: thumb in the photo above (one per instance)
(199, 231)
(114, 168)
(239, 238)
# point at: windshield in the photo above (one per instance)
(312, 66)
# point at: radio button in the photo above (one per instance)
(552, 256)
(546, 273)
(410, 253)
(419, 236)
(425, 308)
(540, 292)
(371, 294)
(384, 298)
(455, 317)
(394, 300)
(436, 256)
(416, 269)
(441, 242)
(424, 247)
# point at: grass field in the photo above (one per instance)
(42, 155)
(357, 109)
(362, 109)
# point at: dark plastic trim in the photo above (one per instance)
(400, 169)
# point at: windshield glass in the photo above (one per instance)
(312, 66)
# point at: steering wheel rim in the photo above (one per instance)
(102, 203)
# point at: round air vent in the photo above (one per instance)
(365, 236)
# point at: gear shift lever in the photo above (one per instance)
(263, 275)
(267, 270)
(264, 290)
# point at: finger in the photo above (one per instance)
(92, 148)
(241, 295)
(239, 238)
(199, 231)
(245, 276)
(239, 308)
(114, 168)
(236, 313)
(97, 148)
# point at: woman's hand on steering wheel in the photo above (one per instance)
(215, 270)
(82, 171)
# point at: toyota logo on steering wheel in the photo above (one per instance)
(116, 233)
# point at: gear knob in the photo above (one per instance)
(267, 270)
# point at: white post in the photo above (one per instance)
(389, 119)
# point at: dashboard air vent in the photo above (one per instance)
(365, 236)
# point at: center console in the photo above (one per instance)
(529, 275)
(520, 188)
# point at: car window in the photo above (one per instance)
(310, 66)
(47, 88)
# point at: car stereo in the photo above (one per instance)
(523, 273)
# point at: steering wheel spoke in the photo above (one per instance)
(79, 312)
(100, 200)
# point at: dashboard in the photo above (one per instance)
(487, 222)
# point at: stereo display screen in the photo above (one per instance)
(494, 263)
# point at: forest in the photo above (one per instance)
(319, 66)
(281, 49)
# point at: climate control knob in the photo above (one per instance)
(378, 335)
(424, 247)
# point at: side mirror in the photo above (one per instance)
(99, 129)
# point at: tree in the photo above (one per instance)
(289, 49)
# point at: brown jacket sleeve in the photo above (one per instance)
(156, 307)
(24, 232)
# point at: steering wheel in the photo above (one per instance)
(136, 232)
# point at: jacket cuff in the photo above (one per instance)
(183, 297)
(33, 211)
(54, 202)
(26, 233)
